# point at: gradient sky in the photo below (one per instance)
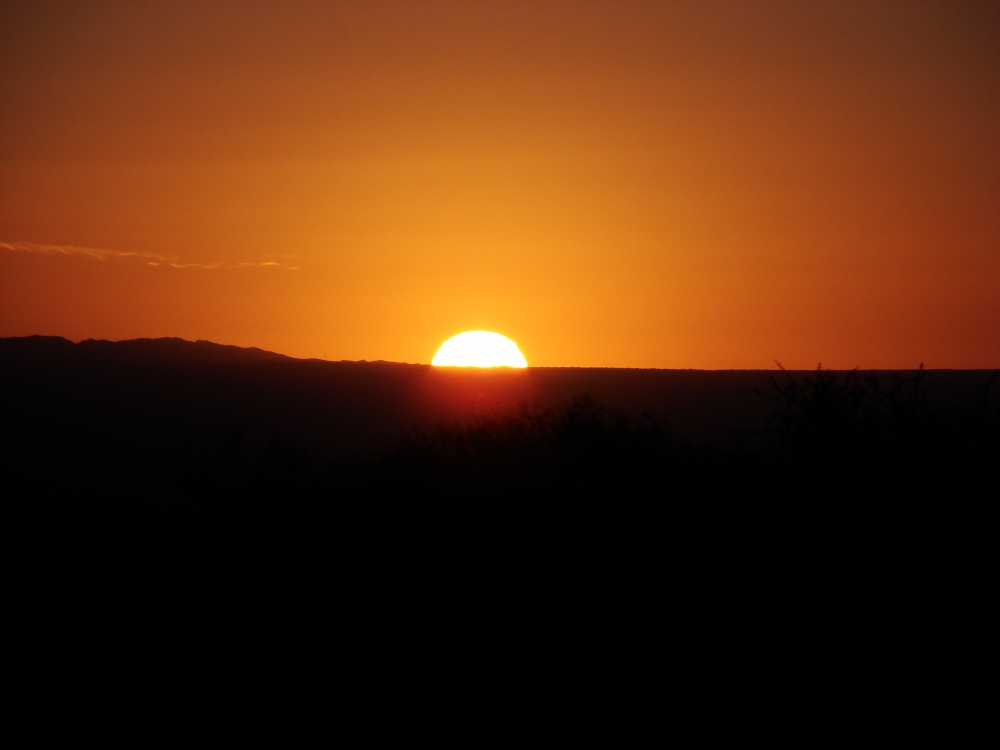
(629, 184)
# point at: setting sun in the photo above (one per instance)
(479, 349)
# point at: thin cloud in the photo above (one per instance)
(152, 259)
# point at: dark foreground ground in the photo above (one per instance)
(723, 504)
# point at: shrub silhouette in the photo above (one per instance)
(502, 479)
(839, 429)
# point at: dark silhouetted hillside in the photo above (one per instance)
(164, 463)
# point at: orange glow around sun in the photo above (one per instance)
(479, 349)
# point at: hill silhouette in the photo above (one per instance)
(364, 405)
(183, 464)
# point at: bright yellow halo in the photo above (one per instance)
(479, 349)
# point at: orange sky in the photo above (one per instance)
(705, 185)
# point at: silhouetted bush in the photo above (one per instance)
(840, 432)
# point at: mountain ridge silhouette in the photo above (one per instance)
(190, 464)
(358, 404)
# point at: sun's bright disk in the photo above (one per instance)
(479, 349)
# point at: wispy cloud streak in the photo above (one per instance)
(152, 259)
